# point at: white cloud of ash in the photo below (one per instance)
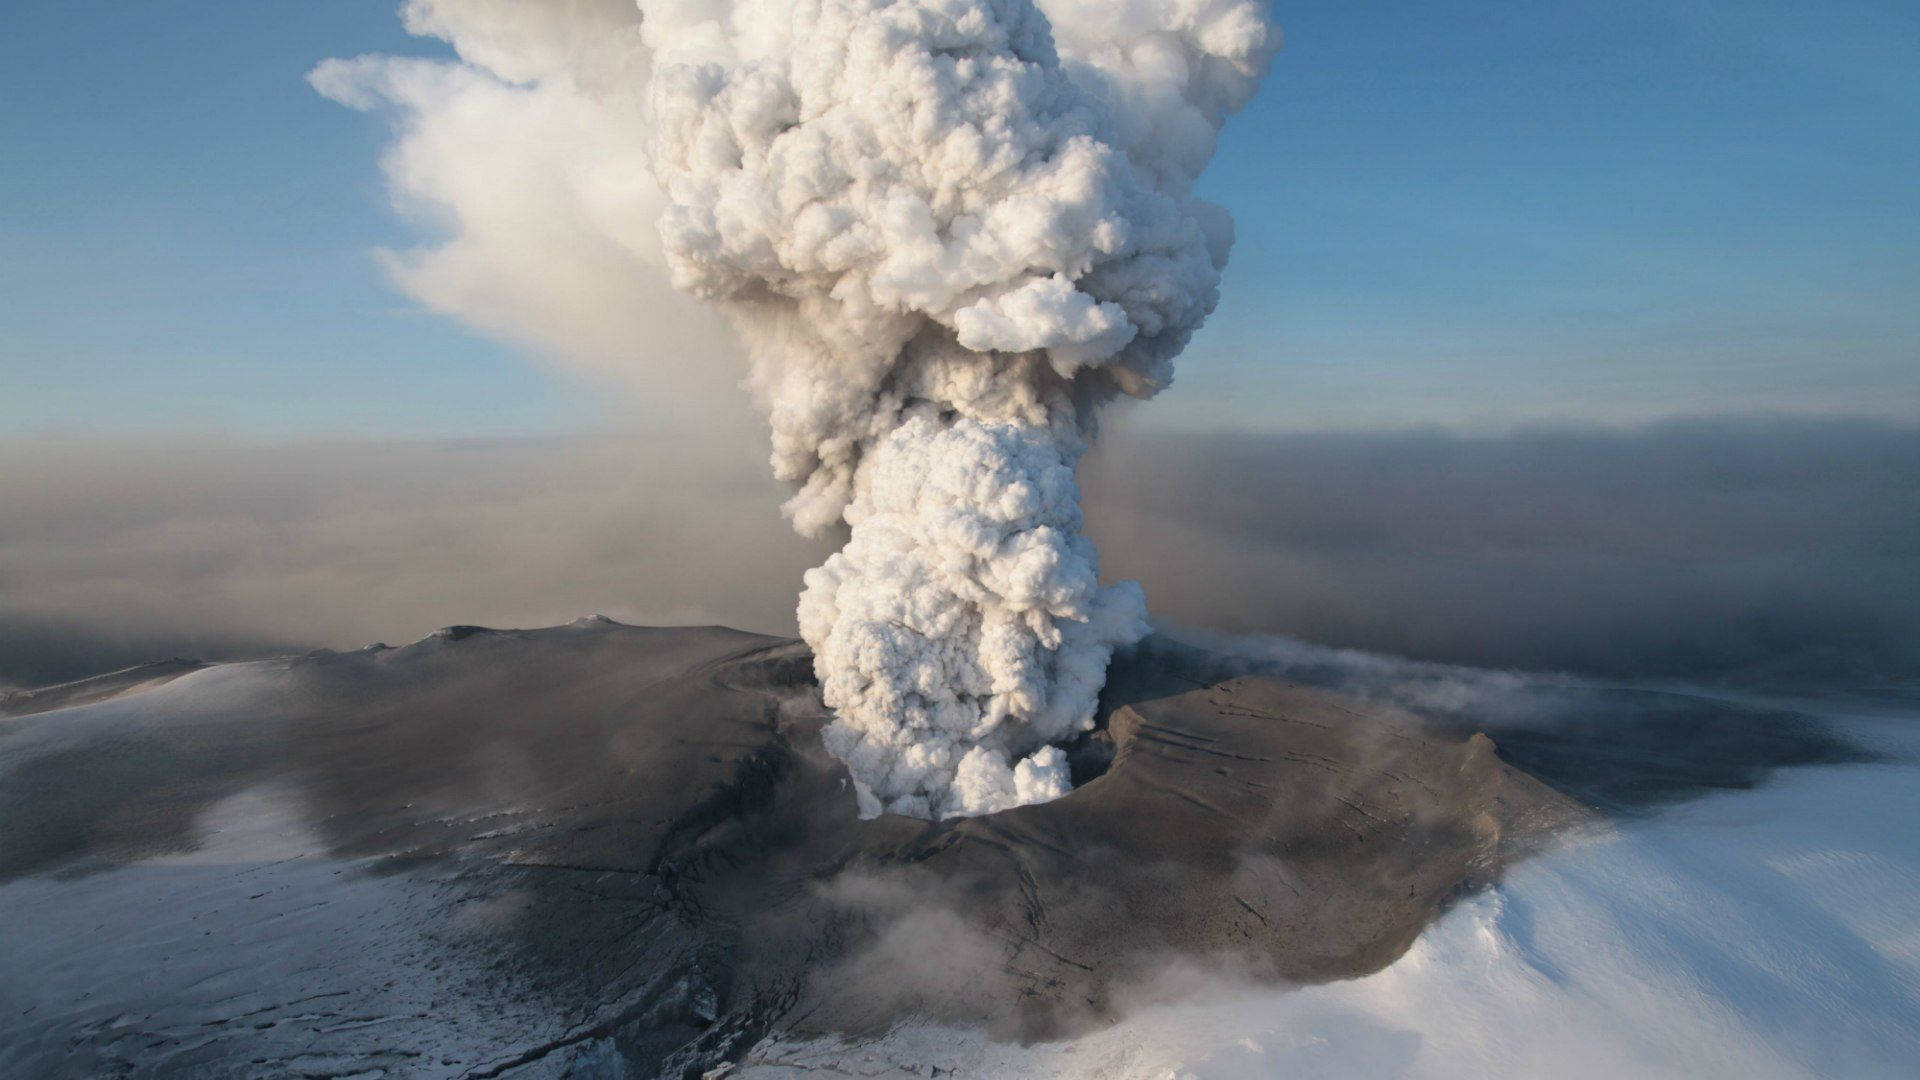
(525, 165)
(946, 231)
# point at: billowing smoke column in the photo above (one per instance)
(948, 229)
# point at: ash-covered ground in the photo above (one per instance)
(600, 849)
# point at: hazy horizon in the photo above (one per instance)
(1748, 548)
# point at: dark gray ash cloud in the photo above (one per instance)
(1766, 548)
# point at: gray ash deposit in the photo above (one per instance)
(610, 850)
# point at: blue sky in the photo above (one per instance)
(1469, 215)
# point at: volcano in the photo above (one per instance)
(600, 847)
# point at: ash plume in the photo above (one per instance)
(946, 231)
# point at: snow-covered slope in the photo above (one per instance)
(609, 850)
(1772, 932)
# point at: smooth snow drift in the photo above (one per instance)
(946, 230)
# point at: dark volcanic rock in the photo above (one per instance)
(612, 850)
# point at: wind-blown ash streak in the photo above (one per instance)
(947, 230)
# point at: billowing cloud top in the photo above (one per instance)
(945, 230)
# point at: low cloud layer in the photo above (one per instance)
(112, 554)
(1772, 549)
(1761, 549)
